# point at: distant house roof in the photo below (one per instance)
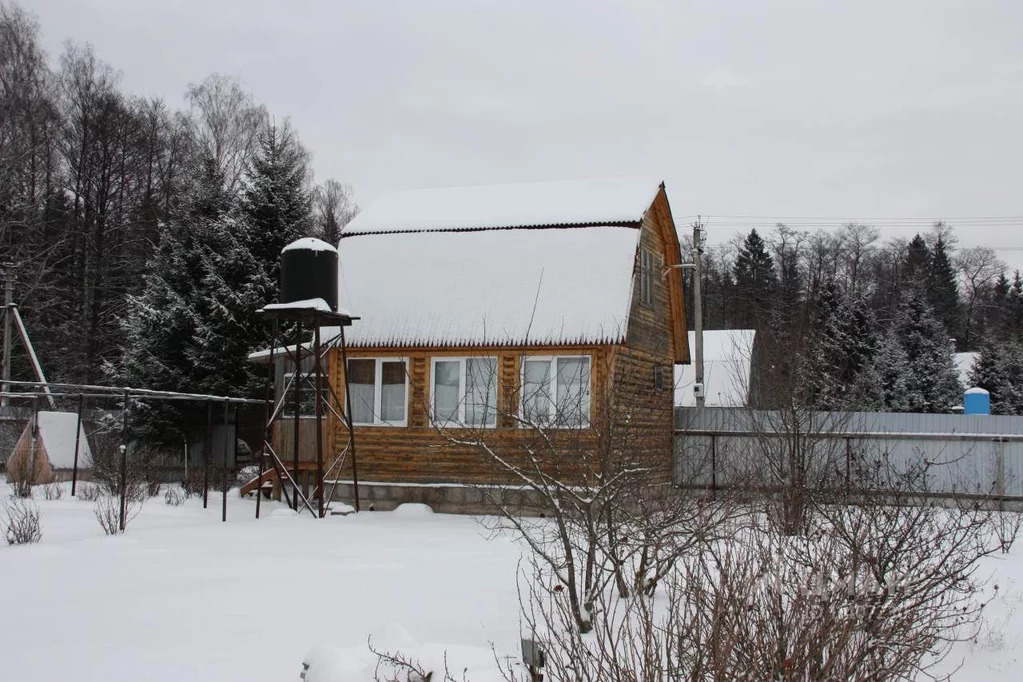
(558, 286)
(587, 202)
(57, 432)
(727, 361)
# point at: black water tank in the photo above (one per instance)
(309, 270)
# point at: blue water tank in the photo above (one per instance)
(976, 401)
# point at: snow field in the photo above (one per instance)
(183, 596)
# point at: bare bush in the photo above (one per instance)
(401, 667)
(175, 497)
(88, 492)
(21, 523)
(875, 589)
(108, 512)
(140, 473)
(20, 477)
(53, 491)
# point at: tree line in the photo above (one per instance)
(846, 320)
(145, 236)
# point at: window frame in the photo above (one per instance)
(462, 386)
(289, 400)
(552, 387)
(378, 393)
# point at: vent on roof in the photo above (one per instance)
(308, 272)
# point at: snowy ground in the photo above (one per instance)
(183, 596)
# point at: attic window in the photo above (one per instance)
(379, 391)
(646, 276)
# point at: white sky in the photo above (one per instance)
(908, 109)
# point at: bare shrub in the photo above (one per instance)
(53, 491)
(108, 512)
(140, 471)
(400, 667)
(175, 497)
(21, 523)
(195, 482)
(88, 492)
(19, 476)
(875, 589)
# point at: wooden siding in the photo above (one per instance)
(650, 327)
(420, 453)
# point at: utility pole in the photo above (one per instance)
(9, 279)
(696, 265)
(699, 388)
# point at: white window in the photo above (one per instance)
(379, 390)
(556, 390)
(464, 391)
(646, 276)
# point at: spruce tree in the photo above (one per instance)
(277, 205)
(999, 370)
(932, 382)
(160, 327)
(942, 288)
(917, 264)
(882, 383)
(842, 344)
(755, 281)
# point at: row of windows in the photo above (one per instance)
(555, 391)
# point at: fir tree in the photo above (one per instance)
(842, 344)
(932, 382)
(942, 288)
(161, 322)
(917, 265)
(755, 281)
(277, 204)
(999, 370)
(882, 384)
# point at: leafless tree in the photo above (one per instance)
(334, 204)
(978, 268)
(226, 124)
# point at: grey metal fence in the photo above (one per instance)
(966, 454)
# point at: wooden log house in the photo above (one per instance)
(481, 305)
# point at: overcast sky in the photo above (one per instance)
(839, 110)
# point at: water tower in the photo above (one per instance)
(308, 299)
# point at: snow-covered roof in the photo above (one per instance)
(727, 360)
(309, 244)
(491, 287)
(964, 363)
(317, 304)
(57, 431)
(590, 202)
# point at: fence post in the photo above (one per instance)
(78, 438)
(124, 460)
(223, 469)
(206, 447)
(714, 466)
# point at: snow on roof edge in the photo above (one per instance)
(517, 205)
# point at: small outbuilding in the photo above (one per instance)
(47, 447)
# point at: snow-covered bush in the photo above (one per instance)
(20, 524)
